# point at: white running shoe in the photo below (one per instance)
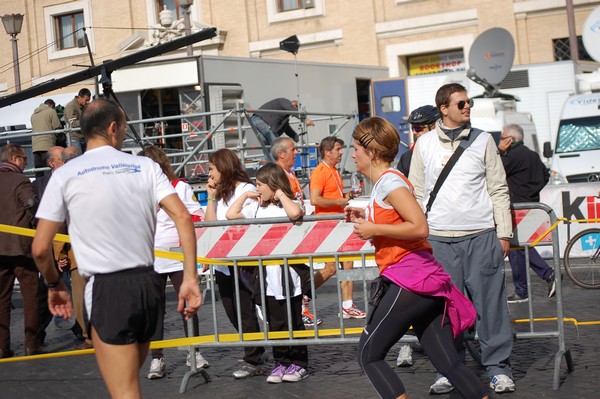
(405, 356)
(201, 362)
(441, 386)
(353, 313)
(157, 369)
(502, 383)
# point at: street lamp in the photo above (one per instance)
(185, 4)
(12, 24)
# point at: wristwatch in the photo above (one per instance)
(53, 285)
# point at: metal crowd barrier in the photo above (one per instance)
(536, 225)
(269, 242)
(530, 230)
(277, 241)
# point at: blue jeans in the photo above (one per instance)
(267, 136)
(519, 274)
(65, 276)
(79, 143)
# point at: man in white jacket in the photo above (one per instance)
(470, 225)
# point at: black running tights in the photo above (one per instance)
(397, 311)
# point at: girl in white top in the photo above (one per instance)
(228, 181)
(276, 199)
(165, 238)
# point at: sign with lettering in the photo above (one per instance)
(434, 63)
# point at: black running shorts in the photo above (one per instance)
(126, 305)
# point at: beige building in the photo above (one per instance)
(406, 36)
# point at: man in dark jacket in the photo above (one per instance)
(526, 176)
(72, 116)
(421, 121)
(18, 209)
(271, 125)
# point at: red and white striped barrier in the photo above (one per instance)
(324, 237)
(529, 224)
(309, 238)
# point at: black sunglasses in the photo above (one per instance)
(461, 104)
(419, 128)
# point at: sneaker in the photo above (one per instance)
(551, 286)
(516, 298)
(405, 356)
(502, 383)
(201, 362)
(309, 319)
(86, 344)
(276, 376)
(35, 351)
(441, 386)
(295, 373)
(353, 313)
(157, 369)
(248, 370)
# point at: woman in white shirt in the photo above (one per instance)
(165, 238)
(227, 181)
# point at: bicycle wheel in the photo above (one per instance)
(582, 259)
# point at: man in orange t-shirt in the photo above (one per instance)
(284, 152)
(328, 197)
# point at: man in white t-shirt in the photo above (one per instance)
(109, 200)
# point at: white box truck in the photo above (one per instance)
(576, 156)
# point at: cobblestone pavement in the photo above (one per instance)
(334, 372)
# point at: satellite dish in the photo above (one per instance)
(490, 59)
(492, 55)
(591, 34)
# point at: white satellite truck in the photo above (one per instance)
(576, 155)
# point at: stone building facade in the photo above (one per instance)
(401, 35)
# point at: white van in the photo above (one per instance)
(576, 157)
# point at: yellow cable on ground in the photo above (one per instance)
(566, 320)
(274, 335)
(205, 339)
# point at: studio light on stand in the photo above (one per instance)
(291, 45)
(13, 24)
